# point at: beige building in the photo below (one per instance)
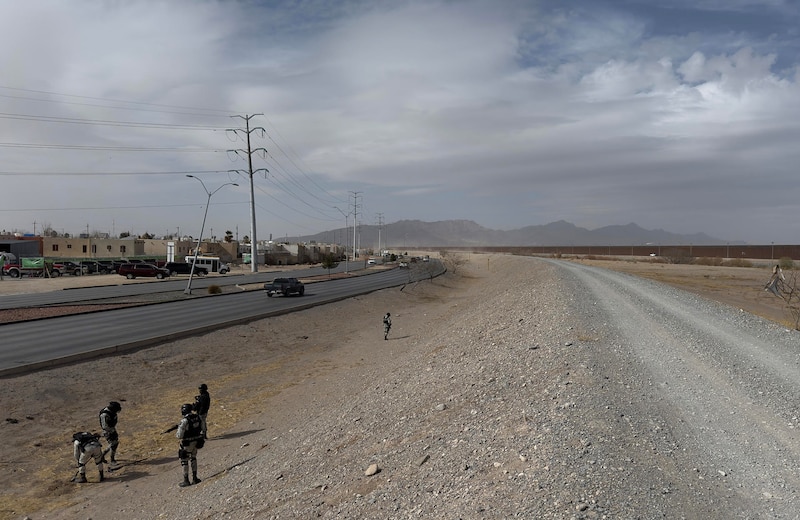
(94, 248)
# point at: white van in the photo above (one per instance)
(212, 263)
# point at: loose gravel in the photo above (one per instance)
(544, 389)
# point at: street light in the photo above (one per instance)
(188, 289)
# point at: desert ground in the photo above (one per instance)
(262, 376)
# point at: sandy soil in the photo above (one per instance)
(285, 355)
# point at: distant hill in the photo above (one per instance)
(417, 233)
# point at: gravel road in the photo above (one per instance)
(524, 388)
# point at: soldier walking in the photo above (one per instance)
(202, 403)
(190, 433)
(85, 447)
(387, 325)
(108, 422)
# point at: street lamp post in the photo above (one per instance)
(188, 289)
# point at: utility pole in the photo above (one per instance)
(250, 172)
(355, 222)
(380, 228)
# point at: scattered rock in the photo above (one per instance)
(373, 469)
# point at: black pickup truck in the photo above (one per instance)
(285, 286)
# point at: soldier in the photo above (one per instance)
(202, 403)
(387, 325)
(108, 422)
(85, 447)
(190, 432)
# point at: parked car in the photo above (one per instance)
(62, 268)
(176, 268)
(131, 271)
(91, 266)
(109, 266)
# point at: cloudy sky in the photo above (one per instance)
(682, 115)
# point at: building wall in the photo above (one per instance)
(91, 248)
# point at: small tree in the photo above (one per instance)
(329, 262)
(452, 262)
(787, 290)
(229, 236)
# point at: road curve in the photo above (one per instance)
(29, 345)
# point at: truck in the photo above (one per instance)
(285, 286)
(31, 267)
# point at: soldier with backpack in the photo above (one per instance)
(202, 403)
(190, 432)
(108, 422)
(85, 447)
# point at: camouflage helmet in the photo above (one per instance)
(203, 387)
(186, 409)
(114, 406)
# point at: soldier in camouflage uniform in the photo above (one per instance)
(108, 422)
(85, 447)
(387, 325)
(202, 403)
(190, 432)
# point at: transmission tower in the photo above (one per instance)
(355, 194)
(250, 172)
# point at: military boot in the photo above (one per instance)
(102, 477)
(81, 479)
(195, 480)
(185, 482)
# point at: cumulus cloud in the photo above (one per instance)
(507, 113)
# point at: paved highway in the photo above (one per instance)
(28, 345)
(127, 288)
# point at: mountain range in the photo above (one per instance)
(464, 233)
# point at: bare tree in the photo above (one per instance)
(788, 290)
(452, 261)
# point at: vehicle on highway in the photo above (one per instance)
(285, 286)
(131, 271)
(176, 268)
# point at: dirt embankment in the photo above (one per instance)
(268, 376)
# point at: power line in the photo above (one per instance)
(103, 208)
(104, 174)
(104, 122)
(106, 148)
(138, 105)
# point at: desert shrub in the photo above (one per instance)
(738, 262)
(214, 289)
(786, 263)
(708, 260)
(678, 256)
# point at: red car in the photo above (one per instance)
(131, 271)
